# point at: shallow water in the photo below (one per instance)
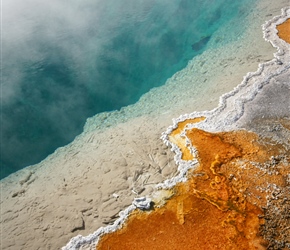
(63, 63)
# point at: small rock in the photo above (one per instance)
(142, 203)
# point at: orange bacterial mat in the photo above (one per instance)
(219, 207)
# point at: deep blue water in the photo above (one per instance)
(63, 62)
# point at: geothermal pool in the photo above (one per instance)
(63, 63)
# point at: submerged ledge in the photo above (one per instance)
(233, 113)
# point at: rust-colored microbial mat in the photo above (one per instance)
(219, 207)
(284, 31)
(180, 141)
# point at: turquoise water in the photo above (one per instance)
(64, 62)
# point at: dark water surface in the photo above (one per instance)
(63, 62)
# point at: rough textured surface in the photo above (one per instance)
(84, 185)
(242, 181)
(220, 206)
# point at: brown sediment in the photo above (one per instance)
(219, 207)
(284, 31)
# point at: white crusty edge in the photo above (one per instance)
(211, 123)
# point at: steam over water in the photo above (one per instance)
(64, 61)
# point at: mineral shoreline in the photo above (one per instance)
(224, 204)
(119, 156)
(232, 114)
